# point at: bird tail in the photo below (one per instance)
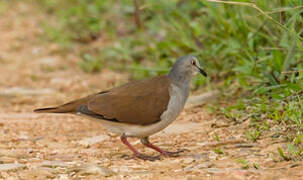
(70, 107)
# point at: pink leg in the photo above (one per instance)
(146, 143)
(136, 153)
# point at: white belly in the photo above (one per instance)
(175, 106)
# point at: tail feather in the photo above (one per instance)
(70, 107)
(46, 110)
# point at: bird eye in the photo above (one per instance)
(193, 62)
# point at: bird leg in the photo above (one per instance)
(146, 143)
(137, 154)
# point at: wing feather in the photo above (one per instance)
(140, 102)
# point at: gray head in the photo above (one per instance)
(185, 68)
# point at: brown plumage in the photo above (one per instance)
(140, 102)
(141, 108)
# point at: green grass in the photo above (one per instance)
(255, 49)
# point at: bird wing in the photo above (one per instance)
(140, 102)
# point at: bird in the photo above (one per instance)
(141, 108)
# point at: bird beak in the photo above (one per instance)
(202, 72)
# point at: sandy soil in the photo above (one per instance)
(36, 73)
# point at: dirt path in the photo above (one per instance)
(35, 73)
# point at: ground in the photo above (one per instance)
(35, 73)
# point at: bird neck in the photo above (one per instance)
(182, 80)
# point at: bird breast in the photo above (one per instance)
(178, 97)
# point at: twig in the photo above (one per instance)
(137, 14)
(283, 10)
